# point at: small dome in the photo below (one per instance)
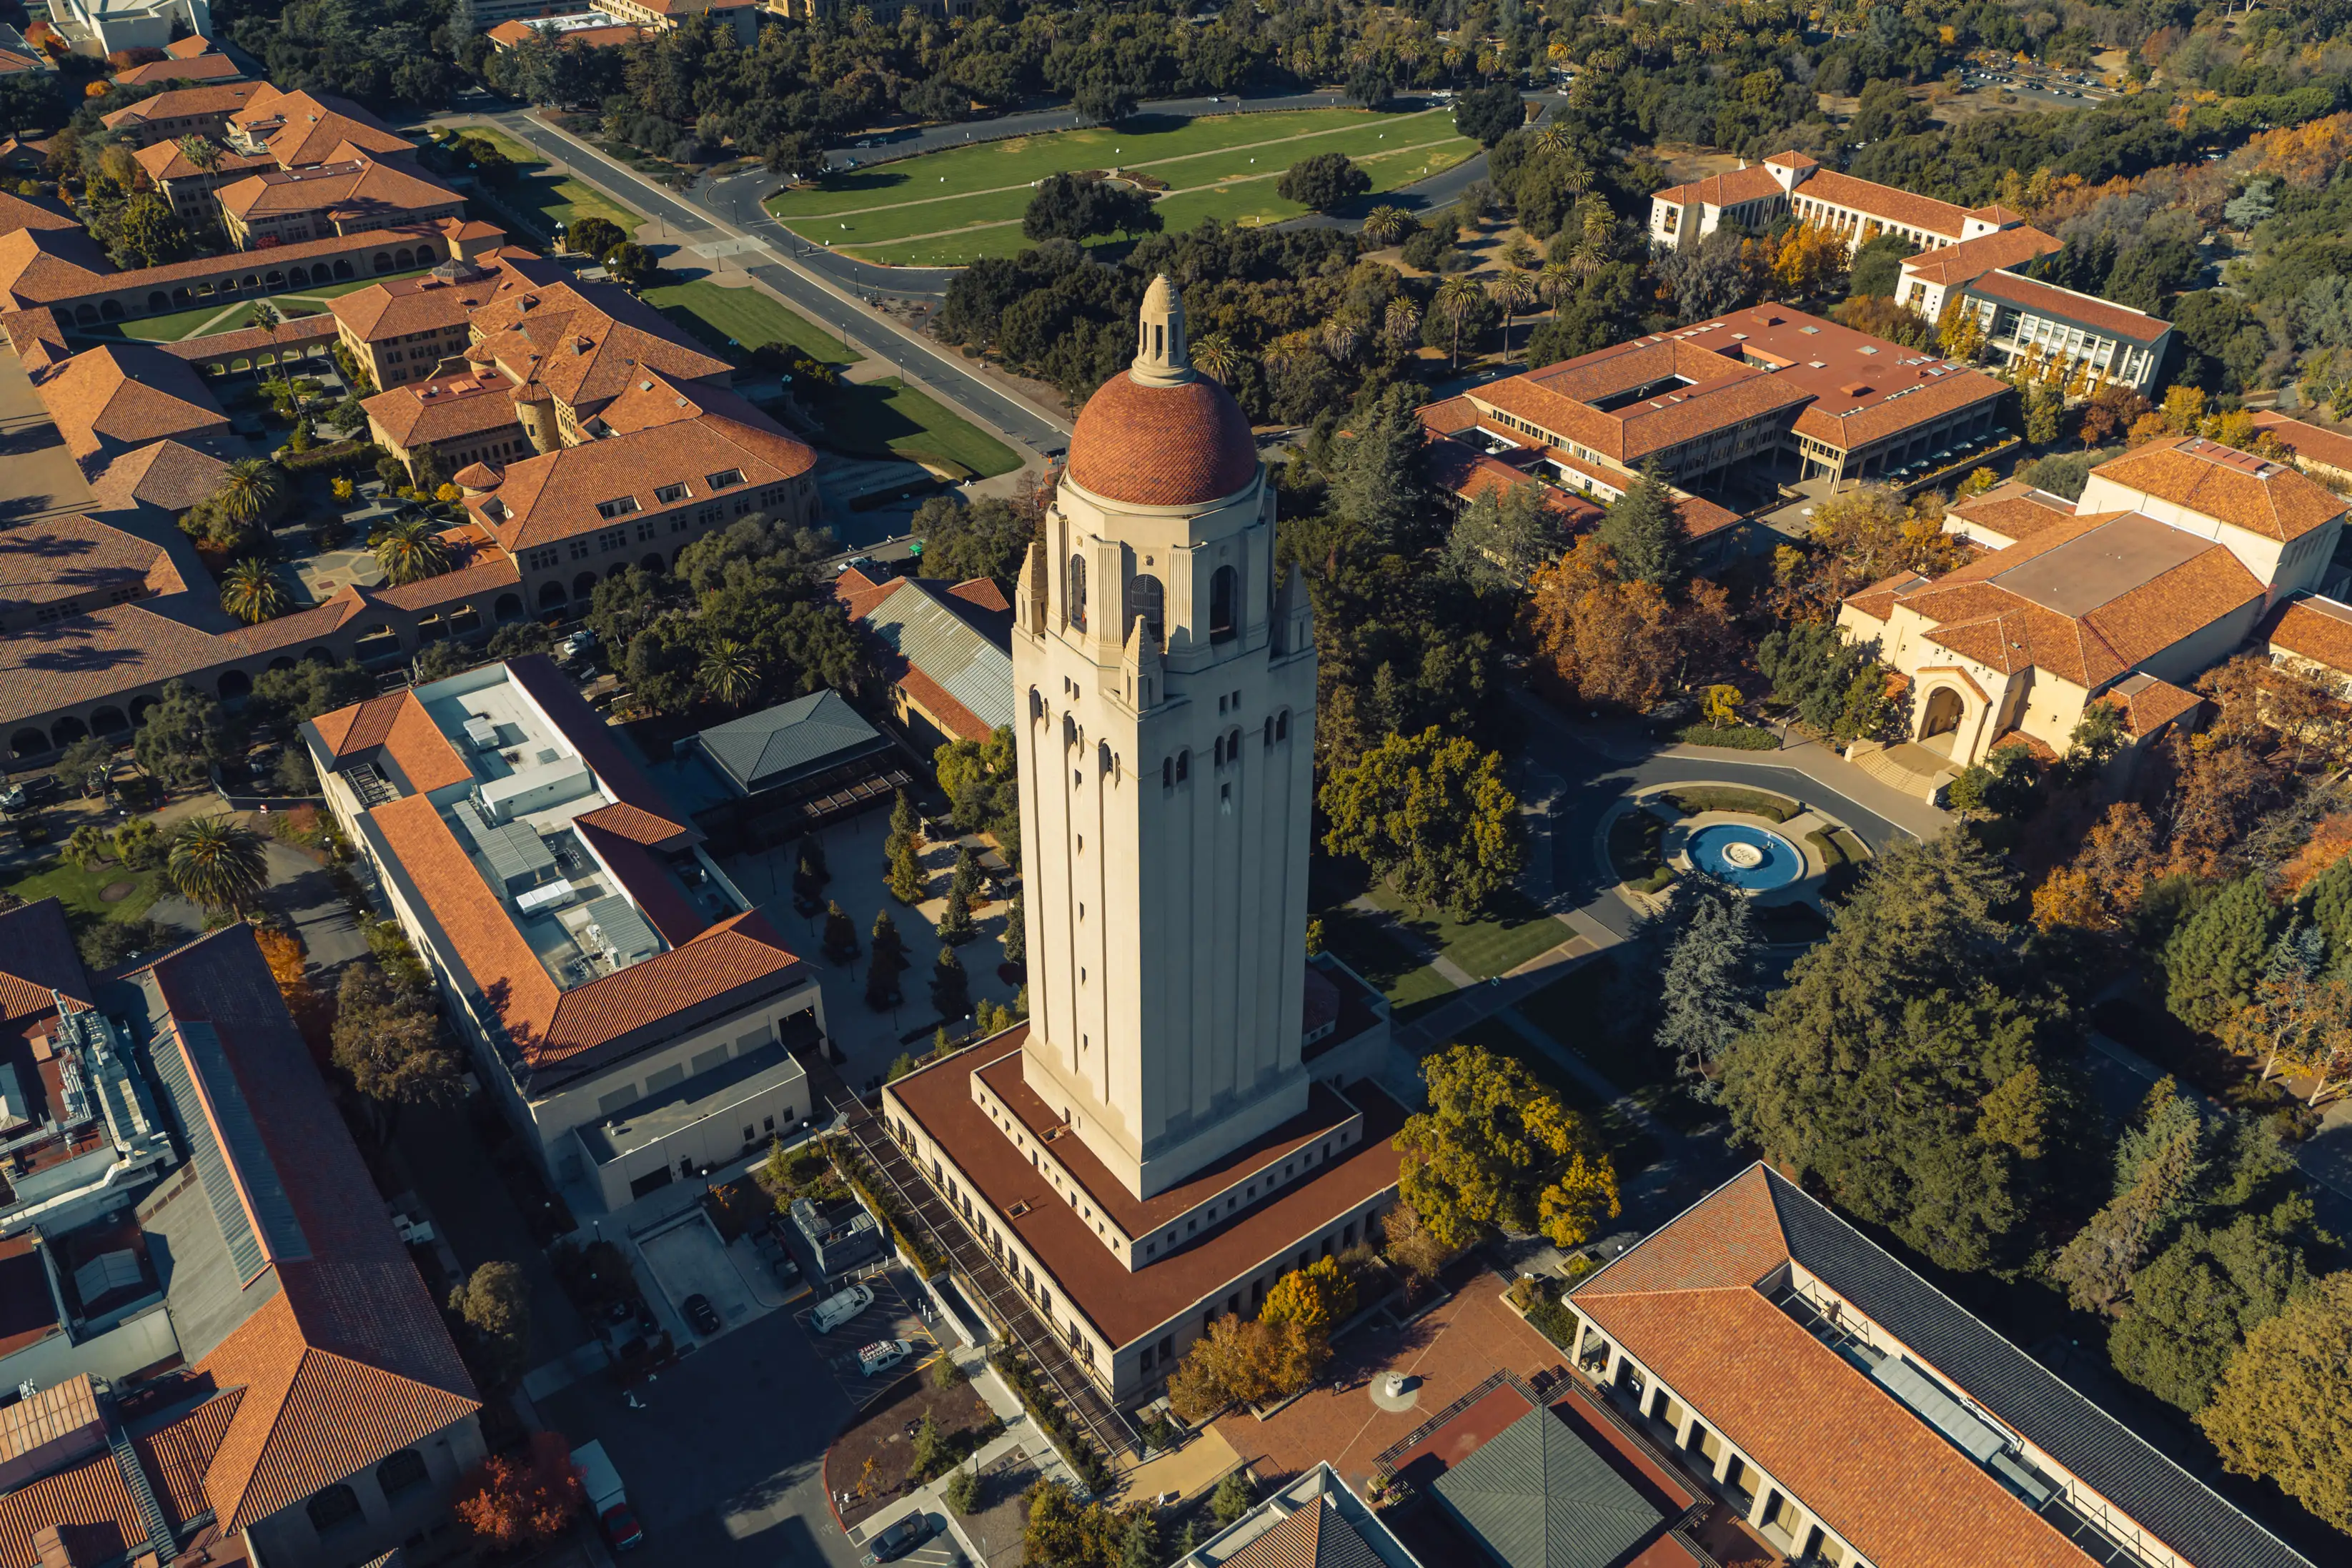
(1179, 445)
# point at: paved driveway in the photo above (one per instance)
(688, 1259)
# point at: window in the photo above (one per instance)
(1184, 766)
(1145, 598)
(619, 506)
(612, 539)
(577, 549)
(670, 494)
(1167, 772)
(337, 1505)
(1223, 588)
(646, 532)
(401, 1471)
(724, 481)
(1077, 593)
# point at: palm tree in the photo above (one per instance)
(265, 314)
(1515, 291)
(1286, 350)
(1556, 282)
(1385, 224)
(252, 593)
(1551, 136)
(410, 549)
(249, 492)
(1341, 333)
(1456, 298)
(729, 673)
(216, 862)
(1215, 357)
(200, 150)
(1400, 321)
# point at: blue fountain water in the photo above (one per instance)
(1779, 863)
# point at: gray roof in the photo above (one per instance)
(2108, 1457)
(1538, 1496)
(777, 745)
(240, 1180)
(918, 624)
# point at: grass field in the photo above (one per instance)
(888, 418)
(226, 317)
(965, 202)
(747, 317)
(1515, 931)
(556, 198)
(79, 891)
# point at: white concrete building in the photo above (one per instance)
(1861, 210)
(103, 27)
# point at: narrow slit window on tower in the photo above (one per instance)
(1159, 341)
(1281, 725)
(1167, 772)
(1079, 592)
(1184, 766)
(1224, 587)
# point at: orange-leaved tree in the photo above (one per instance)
(511, 1502)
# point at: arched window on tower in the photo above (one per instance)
(1220, 752)
(1146, 601)
(1281, 725)
(1077, 595)
(1269, 730)
(1184, 766)
(1224, 587)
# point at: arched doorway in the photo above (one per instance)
(281, 662)
(1942, 716)
(317, 655)
(28, 743)
(583, 585)
(234, 684)
(509, 607)
(66, 731)
(110, 722)
(112, 310)
(343, 269)
(465, 620)
(378, 641)
(138, 707)
(652, 562)
(550, 595)
(159, 301)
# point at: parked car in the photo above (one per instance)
(840, 1308)
(701, 1315)
(901, 1537)
(882, 1355)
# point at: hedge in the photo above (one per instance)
(1735, 738)
(1754, 802)
(1076, 1446)
(869, 1192)
(342, 455)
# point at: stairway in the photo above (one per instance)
(1885, 766)
(161, 1540)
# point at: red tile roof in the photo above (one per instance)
(2012, 511)
(120, 396)
(1734, 188)
(1886, 203)
(1973, 259)
(2066, 305)
(89, 1504)
(637, 825)
(203, 67)
(2318, 629)
(2218, 481)
(177, 1456)
(2149, 704)
(1161, 446)
(36, 958)
(2309, 443)
(349, 1361)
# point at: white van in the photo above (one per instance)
(840, 1308)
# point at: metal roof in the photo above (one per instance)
(2167, 1501)
(1538, 1496)
(232, 1164)
(917, 622)
(776, 744)
(624, 930)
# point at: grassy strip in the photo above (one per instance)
(1732, 738)
(747, 318)
(555, 198)
(1067, 1436)
(888, 418)
(1753, 802)
(1495, 943)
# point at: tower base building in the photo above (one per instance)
(1189, 1112)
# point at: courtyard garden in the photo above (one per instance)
(926, 1427)
(945, 208)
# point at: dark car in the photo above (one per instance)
(620, 1527)
(702, 1315)
(902, 1537)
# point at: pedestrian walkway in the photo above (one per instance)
(1021, 1435)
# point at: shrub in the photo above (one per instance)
(104, 944)
(962, 1492)
(1736, 737)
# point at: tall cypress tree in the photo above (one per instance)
(1643, 534)
(1708, 981)
(2214, 960)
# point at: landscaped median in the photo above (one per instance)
(1782, 852)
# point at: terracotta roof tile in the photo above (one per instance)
(89, 1504)
(425, 757)
(637, 825)
(203, 67)
(2314, 628)
(2149, 704)
(34, 212)
(984, 591)
(168, 474)
(178, 103)
(2012, 511)
(445, 409)
(120, 396)
(303, 129)
(55, 267)
(2066, 305)
(2309, 443)
(1732, 188)
(1971, 258)
(2218, 481)
(1162, 445)
(1884, 203)
(177, 1456)
(942, 705)
(58, 561)
(361, 189)
(165, 161)
(590, 341)
(295, 331)
(39, 959)
(1730, 1237)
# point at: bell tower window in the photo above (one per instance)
(1224, 587)
(1079, 592)
(1145, 601)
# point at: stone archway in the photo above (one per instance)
(1943, 713)
(110, 722)
(66, 731)
(583, 585)
(28, 743)
(509, 607)
(550, 595)
(234, 684)
(138, 707)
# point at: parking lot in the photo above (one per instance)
(893, 1315)
(688, 1259)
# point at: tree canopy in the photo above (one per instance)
(2278, 1410)
(1431, 817)
(1496, 1150)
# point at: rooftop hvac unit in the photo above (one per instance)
(482, 733)
(553, 896)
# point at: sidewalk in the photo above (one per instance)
(1021, 1435)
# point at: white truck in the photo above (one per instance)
(606, 1499)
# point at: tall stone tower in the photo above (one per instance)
(1165, 685)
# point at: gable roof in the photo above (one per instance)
(168, 474)
(1538, 1496)
(2066, 305)
(1972, 258)
(120, 396)
(349, 1360)
(2216, 481)
(2312, 628)
(1314, 1537)
(953, 656)
(59, 559)
(589, 341)
(771, 747)
(1689, 1301)
(1732, 188)
(38, 957)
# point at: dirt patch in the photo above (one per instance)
(996, 1526)
(874, 1461)
(115, 892)
(1686, 161)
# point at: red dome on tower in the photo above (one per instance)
(1159, 433)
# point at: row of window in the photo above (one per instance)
(1178, 769)
(1147, 600)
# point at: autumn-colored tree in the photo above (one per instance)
(1811, 262)
(1239, 1360)
(1601, 642)
(284, 953)
(1430, 816)
(1863, 536)
(2112, 412)
(1497, 1150)
(1318, 1299)
(2099, 889)
(1959, 330)
(2278, 1409)
(514, 1502)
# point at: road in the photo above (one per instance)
(769, 254)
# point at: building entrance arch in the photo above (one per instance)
(1944, 711)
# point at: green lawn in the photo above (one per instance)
(747, 317)
(889, 418)
(228, 315)
(965, 202)
(1515, 931)
(555, 198)
(78, 889)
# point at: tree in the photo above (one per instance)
(1237, 1360)
(1497, 1150)
(1918, 981)
(2277, 1410)
(962, 1492)
(1318, 1299)
(905, 877)
(2157, 1168)
(1323, 181)
(410, 549)
(1431, 817)
(1232, 1498)
(494, 1301)
(152, 232)
(632, 265)
(138, 842)
(1643, 534)
(593, 236)
(1063, 1532)
(1708, 982)
(728, 674)
(1387, 225)
(887, 964)
(955, 921)
(287, 697)
(216, 862)
(950, 987)
(1139, 1542)
(387, 1039)
(1877, 269)
(252, 593)
(1487, 114)
(1814, 669)
(183, 737)
(253, 490)
(2045, 407)
(1075, 207)
(2214, 960)
(1103, 102)
(515, 1502)
(2193, 1305)
(984, 538)
(840, 934)
(1015, 940)
(1601, 641)
(200, 151)
(1457, 299)
(86, 764)
(87, 846)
